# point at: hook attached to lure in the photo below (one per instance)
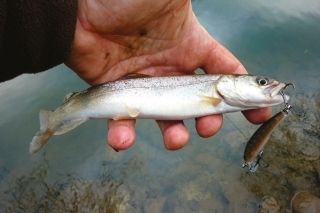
(287, 105)
(253, 166)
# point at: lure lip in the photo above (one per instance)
(253, 166)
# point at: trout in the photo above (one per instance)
(160, 98)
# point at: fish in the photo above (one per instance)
(254, 148)
(160, 98)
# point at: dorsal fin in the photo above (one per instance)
(135, 75)
(68, 96)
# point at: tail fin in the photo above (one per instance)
(44, 134)
(40, 140)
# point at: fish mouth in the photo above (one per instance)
(274, 88)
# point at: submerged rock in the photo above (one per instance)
(305, 202)
(269, 205)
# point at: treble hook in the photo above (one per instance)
(254, 165)
(259, 158)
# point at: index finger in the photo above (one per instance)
(222, 61)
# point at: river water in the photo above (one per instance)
(78, 172)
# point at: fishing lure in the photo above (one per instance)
(253, 151)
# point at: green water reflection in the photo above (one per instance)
(78, 172)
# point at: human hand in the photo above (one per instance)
(115, 38)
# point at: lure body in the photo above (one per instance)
(253, 151)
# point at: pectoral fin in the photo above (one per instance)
(210, 100)
(66, 127)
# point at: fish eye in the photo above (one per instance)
(262, 81)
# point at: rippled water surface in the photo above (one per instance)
(78, 172)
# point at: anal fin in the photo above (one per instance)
(66, 127)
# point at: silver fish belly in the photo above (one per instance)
(161, 98)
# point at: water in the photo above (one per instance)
(78, 172)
